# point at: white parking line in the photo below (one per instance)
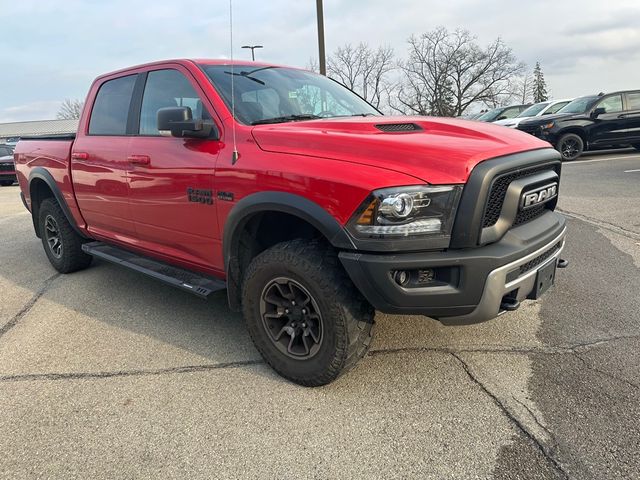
(578, 162)
(629, 171)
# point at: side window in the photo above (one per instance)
(510, 113)
(633, 100)
(111, 107)
(167, 88)
(555, 108)
(611, 104)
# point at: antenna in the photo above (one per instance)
(235, 155)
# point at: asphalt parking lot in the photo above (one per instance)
(107, 374)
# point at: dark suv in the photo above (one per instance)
(589, 123)
(7, 168)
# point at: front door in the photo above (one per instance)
(609, 127)
(171, 181)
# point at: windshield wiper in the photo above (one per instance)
(248, 74)
(287, 118)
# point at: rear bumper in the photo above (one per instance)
(469, 284)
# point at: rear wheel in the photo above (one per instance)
(6, 183)
(61, 243)
(570, 146)
(303, 313)
(636, 146)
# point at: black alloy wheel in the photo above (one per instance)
(52, 236)
(291, 318)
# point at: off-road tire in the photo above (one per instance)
(71, 257)
(570, 146)
(6, 183)
(347, 318)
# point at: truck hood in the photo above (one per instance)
(434, 150)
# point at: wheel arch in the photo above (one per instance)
(288, 216)
(42, 185)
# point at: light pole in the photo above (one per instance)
(320, 14)
(252, 47)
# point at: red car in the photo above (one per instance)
(311, 208)
(7, 168)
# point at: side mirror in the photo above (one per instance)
(179, 122)
(597, 112)
(503, 117)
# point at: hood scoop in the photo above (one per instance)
(398, 127)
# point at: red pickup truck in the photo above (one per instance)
(306, 204)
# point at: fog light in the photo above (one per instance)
(426, 275)
(401, 277)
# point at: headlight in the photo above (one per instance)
(547, 126)
(407, 211)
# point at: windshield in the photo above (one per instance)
(579, 105)
(277, 94)
(490, 115)
(533, 110)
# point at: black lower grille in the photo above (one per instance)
(499, 191)
(539, 260)
(6, 167)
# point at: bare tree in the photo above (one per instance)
(70, 109)
(362, 69)
(446, 72)
(523, 88)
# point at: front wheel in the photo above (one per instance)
(636, 146)
(570, 146)
(304, 315)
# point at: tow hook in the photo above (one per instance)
(562, 263)
(509, 304)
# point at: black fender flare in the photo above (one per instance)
(274, 201)
(42, 174)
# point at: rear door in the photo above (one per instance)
(171, 181)
(632, 117)
(99, 161)
(609, 127)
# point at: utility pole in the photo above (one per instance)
(252, 47)
(322, 59)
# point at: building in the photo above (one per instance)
(16, 130)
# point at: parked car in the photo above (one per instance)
(502, 113)
(7, 168)
(537, 110)
(591, 122)
(310, 207)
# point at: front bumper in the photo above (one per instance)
(469, 284)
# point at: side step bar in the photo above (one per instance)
(191, 282)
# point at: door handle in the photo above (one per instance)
(139, 159)
(80, 156)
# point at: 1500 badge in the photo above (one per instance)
(200, 196)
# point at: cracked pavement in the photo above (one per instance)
(107, 374)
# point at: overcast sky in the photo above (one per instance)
(51, 50)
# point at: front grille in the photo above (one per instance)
(397, 127)
(525, 216)
(6, 167)
(532, 129)
(499, 191)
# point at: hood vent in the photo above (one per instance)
(398, 127)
